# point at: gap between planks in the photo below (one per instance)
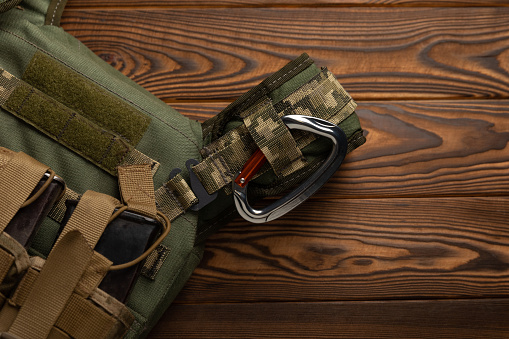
(158, 5)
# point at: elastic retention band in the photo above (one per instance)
(41, 190)
(166, 225)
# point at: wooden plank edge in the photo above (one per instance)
(472, 318)
(163, 4)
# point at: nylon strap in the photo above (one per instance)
(175, 197)
(223, 158)
(113, 307)
(20, 173)
(6, 261)
(91, 216)
(137, 189)
(273, 138)
(93, 275)
(53, 287)
(81, 319)
(21, 259)
(24, 287)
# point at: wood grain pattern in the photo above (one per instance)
(219, 53)
(399, 319)
(360, 249)
(274, 3)
(421, 148)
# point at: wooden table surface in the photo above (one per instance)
(410, 239)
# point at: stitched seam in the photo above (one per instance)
(55, 11)
(227, 171)
(291, 71)
(170, 192)
(206, 150)
(108, 150)
(107, 89)
(124, 155)
(29, 95)
(219, 169)
(73, 115)
(265, 103)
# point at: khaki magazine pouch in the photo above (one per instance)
(133, 164)
(60, 297)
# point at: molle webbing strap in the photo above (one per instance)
(53, 287)
(175, 197)
(93, 275)
(273, 138)
(6, 261)
(137, 189)
(57, 212)
(101, 146)
(118, 310)
(223, 158)
(82, 319)
(135, 157)
(20, 174)
(17, 251)
(24, 287)
(91, 216)
(8, 83)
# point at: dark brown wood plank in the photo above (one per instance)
(274, 3)
(421, 148)
(398, 319)
(377, 53)
(360, 249)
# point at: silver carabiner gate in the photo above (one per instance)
(309, 186)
